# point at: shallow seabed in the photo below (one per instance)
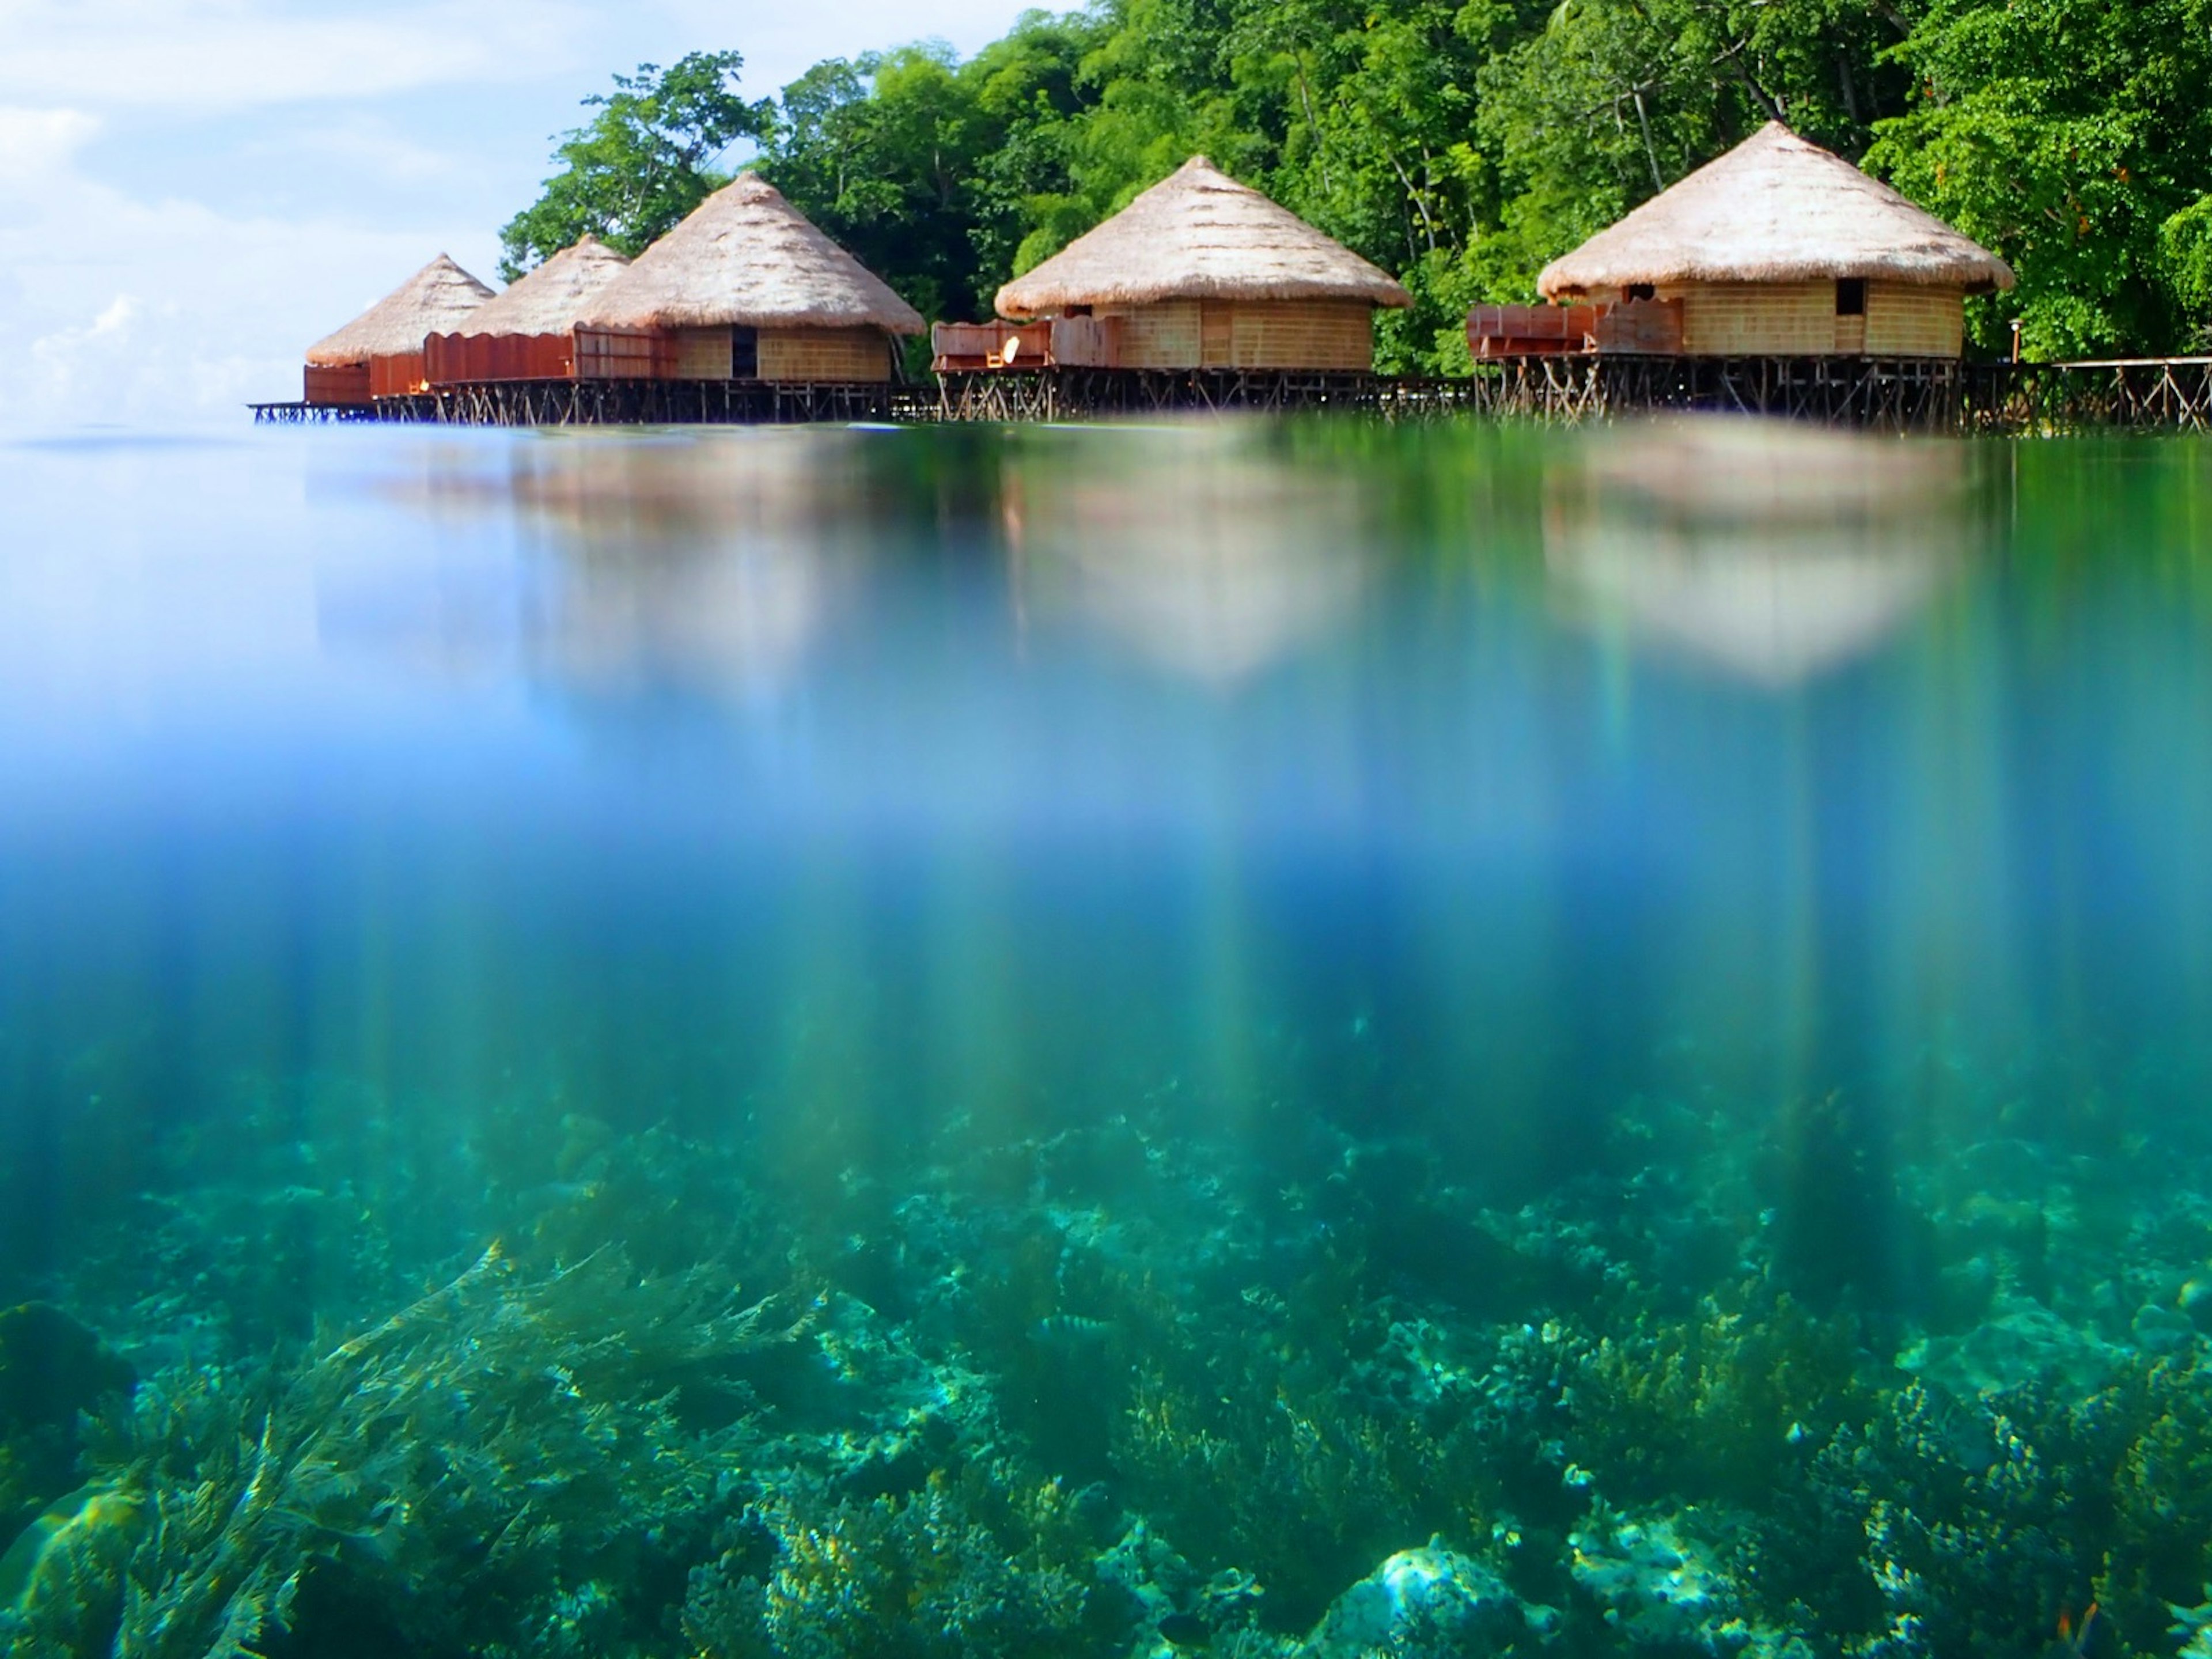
(1261, 1040)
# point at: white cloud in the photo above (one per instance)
(192, 191)
(365, 144)
(228, 54)
(167, 312)
(36, 144)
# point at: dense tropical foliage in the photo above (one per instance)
(1461, 143)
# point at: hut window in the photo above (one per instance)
(744, 354)
(1850, 296)
(1076, 311)
(1641, 291)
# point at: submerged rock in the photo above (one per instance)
(1426, 1603)
(1663, 1588)
(2021, 1342)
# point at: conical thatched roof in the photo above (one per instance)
(1199, 235)
(747, 257)
(435, 300)
(550, 298)
(1776, 209)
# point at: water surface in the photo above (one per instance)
(1300, 986)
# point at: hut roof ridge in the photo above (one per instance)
(1777, 209)
(1199, 235)
(745, 257)
(435, 300)
(549, 298)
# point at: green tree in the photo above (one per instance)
(645, 159)
(2074, 138)
(1464, 144)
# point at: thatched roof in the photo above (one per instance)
(550, 298)
(1199, 235)
(747, 257)
(435, 300)
(1776, 209)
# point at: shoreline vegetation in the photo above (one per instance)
(1460, 146)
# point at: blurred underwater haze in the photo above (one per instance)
(1265, 1039)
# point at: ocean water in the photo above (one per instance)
(1257, 1039)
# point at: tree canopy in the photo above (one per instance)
(1463, 144)
(645, 159)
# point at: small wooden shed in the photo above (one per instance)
(380, 353)
(1779, 248)
(1202, 272)
(745, 289)
(527, 332)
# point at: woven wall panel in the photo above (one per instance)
(1907, 321)
(1758, 320)
(825, 355)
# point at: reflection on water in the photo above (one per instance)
(1773, 552)
(1275, 1041)
(1194, 546)
(664, 568)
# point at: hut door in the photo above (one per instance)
(744, 354)
(1216, 330)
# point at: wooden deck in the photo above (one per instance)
(2171, 394)
(1911, 394)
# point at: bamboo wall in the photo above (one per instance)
(1317, 334)
(1162, 336)
(700, 354)
(1757, 319)
(1903, 320)
(1799, 319)
(787, 356)
(825, 355)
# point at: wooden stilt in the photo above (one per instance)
(1867, 393)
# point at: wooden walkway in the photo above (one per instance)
(2171, 394)
(1869, 394)
(1059, 394)
(614, 402)
(1909, 394)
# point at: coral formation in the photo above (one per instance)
(1078, 1394)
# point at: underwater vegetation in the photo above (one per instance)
(1093, 1394)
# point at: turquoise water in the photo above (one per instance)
(1231, 1038)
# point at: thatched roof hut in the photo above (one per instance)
(1202, 272)
(1776, 208)
(528, 332)
(550, 299)
(745, 289)
(746, 257)
(1199, 235)
(1779, 248)
(435, 300)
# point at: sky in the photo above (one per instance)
(191, 191)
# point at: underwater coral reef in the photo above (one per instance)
(1120, 1390)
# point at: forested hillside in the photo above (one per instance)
(1463, 145)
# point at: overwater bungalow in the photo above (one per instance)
(745, 289)
(380, 353)
(527, 332)
(1198, 272)
(1777, 249)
